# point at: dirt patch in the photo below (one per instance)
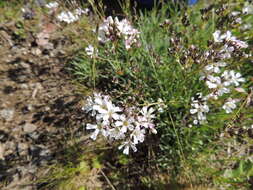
(39, 106)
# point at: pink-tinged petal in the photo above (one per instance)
(240, 90)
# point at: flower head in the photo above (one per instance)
(67, 17)
(230, 105)
(125, 123)
(232, 77)
(138, 135)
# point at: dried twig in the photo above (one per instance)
(108, 181)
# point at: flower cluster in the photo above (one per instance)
(129, 125)
(113, 29)
(218, 82)
(231, 43)
(69, 17)
(200, 108)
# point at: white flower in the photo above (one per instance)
(217, 36)
(138, 135)
(235, 13)
(91, 51)
(216, 84)
(238, 20)
(200, 108)
(89, 106)
(247, 9)
(103, 31)
(161, 105)
(67, 17)
(112, 29)
(226, 51)
(52, 5)
(144, 122)
(229, 38)
(146, 119)
(125, 123)
(240, 44)
(234, 41)
(148, 113)
(232, 78)
(80, 11)
(99, 127)
(214, 67)
(106, 110)
(230, 105)
(246, 26)
(213, 81)
(127, 145)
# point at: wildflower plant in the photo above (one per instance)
(200, 80)
(129, 125)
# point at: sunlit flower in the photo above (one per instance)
(232, 78)
(107, 110)
(67, 17)
(114, 124)
(148, 112)
(218, 37)
(214, 67)
(138, 135)
(235, 13)
(89, 106)
(213, 81)
(200, 108)
(113, 29)
(125, 123)
(226, 51)
(240, 44)
(247, 9)
(80, 11)
(230, 105)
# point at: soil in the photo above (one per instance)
(39, 105)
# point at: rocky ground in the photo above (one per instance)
(39, 106)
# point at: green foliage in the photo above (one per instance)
(162, 68)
